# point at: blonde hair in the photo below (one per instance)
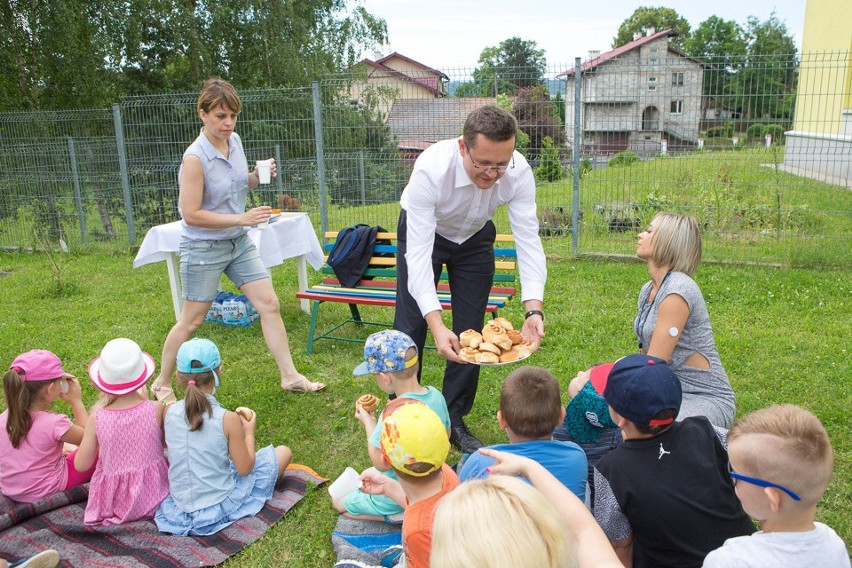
(499, 522)
(794, 449)
(677, 242)
(216, 92)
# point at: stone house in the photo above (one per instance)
(636, 97)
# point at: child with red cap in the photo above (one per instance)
(33, 461)
(663, 497)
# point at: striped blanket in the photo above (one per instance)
(57, 522)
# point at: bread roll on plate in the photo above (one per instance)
(491, 330)
(487, 357)
(468, 354)
(514, 335)
(509, 356)
(504, 323)
(470, 338)
(485, 346)
(502, 341)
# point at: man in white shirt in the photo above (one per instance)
(447, 208)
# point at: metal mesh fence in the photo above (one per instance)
(759, 149)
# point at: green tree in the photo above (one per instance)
(51, 56)
(538, 117)
(644, 18)
(722, 44)
(716, 37)
(513, 64)
(549, 168)
(768, 76)
(75, 53)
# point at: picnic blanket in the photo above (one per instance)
(373, 543)
(57, 522)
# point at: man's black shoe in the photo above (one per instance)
(461, 437)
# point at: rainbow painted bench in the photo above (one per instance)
(378, 287)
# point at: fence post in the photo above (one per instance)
(315, 90)
(279, 181)
(125, 177)
(77, 196)
(361, 177)
(575, 213)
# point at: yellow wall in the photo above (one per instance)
(825, 71)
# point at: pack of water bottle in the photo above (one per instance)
(232, 309)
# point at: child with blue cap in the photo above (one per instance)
(215, 475)
(393, 359)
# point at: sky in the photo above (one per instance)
(450, 34)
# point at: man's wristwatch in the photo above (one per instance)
(534, 313)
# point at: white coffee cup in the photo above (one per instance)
(264, 170)
(262, 225)
(348, 482)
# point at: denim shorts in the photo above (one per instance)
(202, 264)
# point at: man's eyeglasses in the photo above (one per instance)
(759, 482)
(500, 169)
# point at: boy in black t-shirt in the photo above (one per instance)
(663, 497)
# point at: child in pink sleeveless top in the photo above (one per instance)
(126, 435)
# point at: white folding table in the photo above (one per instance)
(290, 236)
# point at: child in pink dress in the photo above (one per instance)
(126, 436)
(34, 462)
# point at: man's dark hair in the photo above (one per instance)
(492, 122)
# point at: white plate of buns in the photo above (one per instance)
(499, 343)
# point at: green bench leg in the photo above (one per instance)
(356, 315)
(312, 330)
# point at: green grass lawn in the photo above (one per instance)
(783, 335)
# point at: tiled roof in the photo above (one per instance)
(413, 62)
(604, 57)
(431, 120)
(419, 81)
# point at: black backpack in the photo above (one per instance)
(351, 253)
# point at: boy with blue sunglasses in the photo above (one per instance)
(781, 463)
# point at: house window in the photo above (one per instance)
(677, 107)
(677, 79)
(652, 83)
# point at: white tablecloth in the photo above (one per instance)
(290, 236)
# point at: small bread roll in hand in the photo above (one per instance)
(470, 338)
(487, 357)
(468, 354)
(486, 346)
(368, 402)
(506, 324)
(502, 341)
(245, 412)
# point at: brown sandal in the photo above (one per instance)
(302, 385)
(164, 394)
